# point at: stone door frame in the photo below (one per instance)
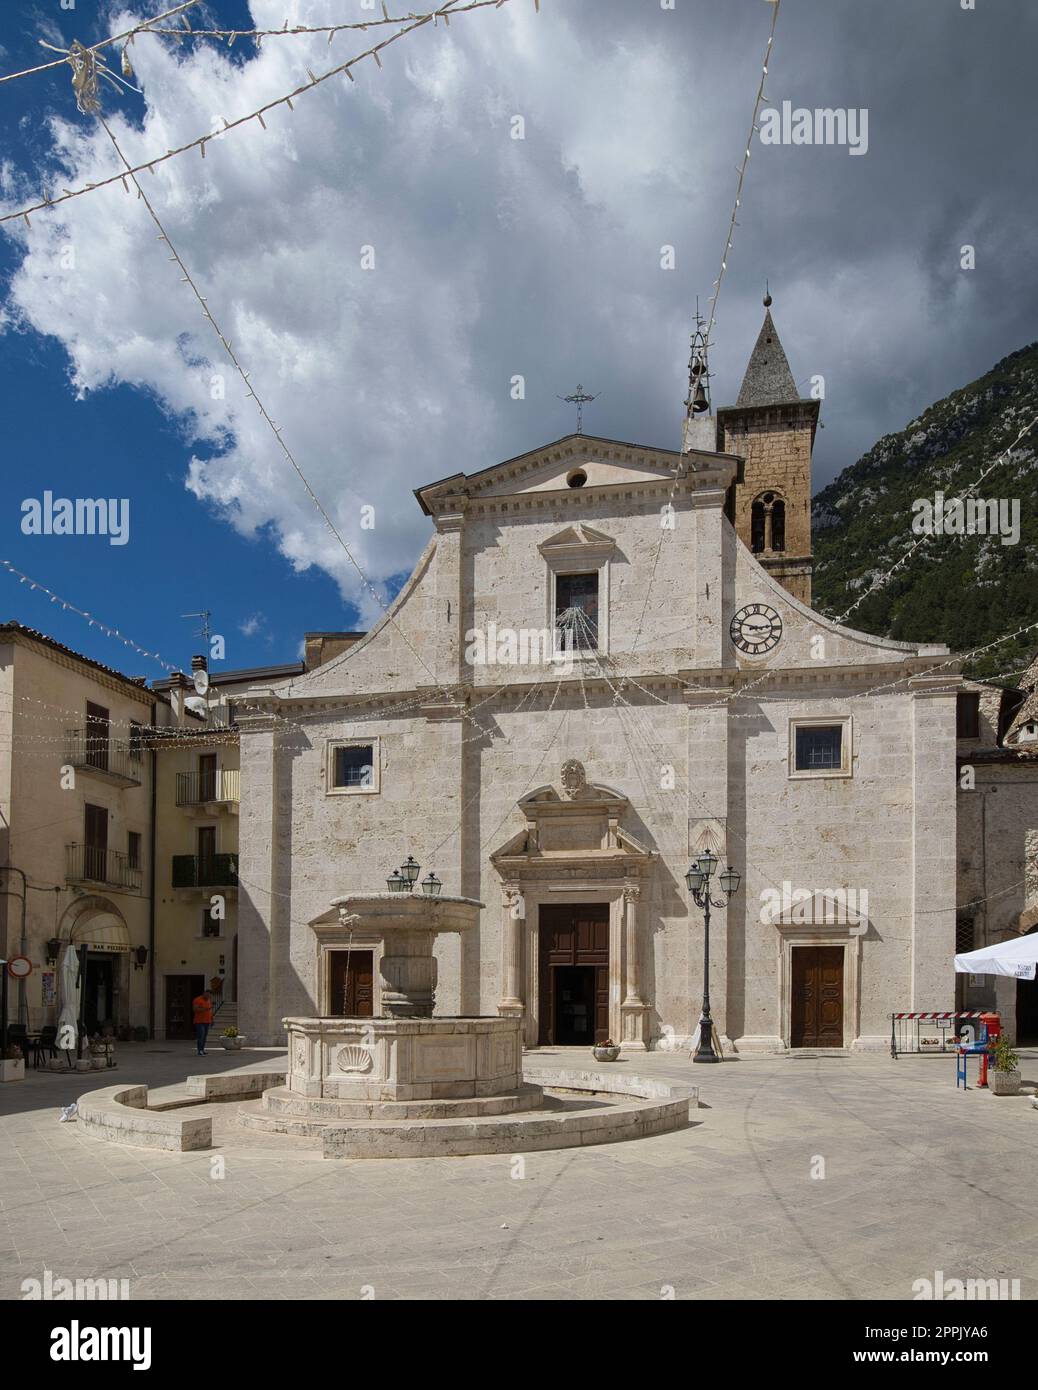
(845, 936)
(538, 895)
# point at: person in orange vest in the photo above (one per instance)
(202, 1015)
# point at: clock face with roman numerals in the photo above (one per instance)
(756, 629)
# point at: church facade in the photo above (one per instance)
(604, 663)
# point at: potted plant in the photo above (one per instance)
(232, 1039)
(1004, 1077)
(12, 1065)
(607, 1051)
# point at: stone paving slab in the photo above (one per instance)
(918, 1177)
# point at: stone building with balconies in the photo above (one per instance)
(75, 828)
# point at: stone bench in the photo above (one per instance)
(120, 1114)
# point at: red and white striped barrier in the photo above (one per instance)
(967, 1013)
(905, 1036)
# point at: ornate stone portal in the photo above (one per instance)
(574, 848)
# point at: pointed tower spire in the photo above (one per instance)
(771, 429)
(768, 380)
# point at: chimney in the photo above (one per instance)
(179, 688)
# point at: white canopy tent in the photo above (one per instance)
(1017, 957)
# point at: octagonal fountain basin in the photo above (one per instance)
(403, 1059)
(422, 1087)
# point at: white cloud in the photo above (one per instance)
(250, 626)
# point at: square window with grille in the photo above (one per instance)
(964, 935)
(819, 748)
(353, 767)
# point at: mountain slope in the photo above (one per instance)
(964, 590)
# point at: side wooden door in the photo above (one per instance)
(816, 1003)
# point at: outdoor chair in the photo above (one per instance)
(43, 1046)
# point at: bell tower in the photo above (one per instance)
(772, 430)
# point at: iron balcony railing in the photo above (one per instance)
(216, 784)
(92, 748)
(212, 871)
(89, 864)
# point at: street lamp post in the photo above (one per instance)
(700, 872)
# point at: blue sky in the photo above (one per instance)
(495, 257)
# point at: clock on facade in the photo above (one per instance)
(756, 629)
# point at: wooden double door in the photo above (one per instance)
(816, 1002)
(574, 973)
(351, 976)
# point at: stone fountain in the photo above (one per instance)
(407, 1083)
(398, 1063)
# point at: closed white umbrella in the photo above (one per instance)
(68, 986)
(1017, 957)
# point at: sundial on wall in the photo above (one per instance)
(756, 629)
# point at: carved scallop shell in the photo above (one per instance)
(353, 1057)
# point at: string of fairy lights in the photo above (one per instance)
(744, 164)
(396, 705)
(86, 76)
(663, 816)
(156, 25)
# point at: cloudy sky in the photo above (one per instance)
(492, 257)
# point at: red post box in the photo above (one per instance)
(992, 1027)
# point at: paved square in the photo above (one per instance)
(917, 1178)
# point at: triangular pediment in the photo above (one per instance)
(580, 536)
(572, 463)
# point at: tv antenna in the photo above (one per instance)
(202, 631)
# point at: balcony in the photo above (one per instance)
(108, 867)
(209, 791)
(214, 871)
(91, 750)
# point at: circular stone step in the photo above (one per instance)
(280, 1102)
